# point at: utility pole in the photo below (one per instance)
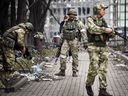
(115, 13)
(125, 31)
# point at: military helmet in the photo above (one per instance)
(72, 12)
(97, 7)
(29, 26)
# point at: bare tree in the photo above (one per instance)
(4, 24)
(16, 11)
(13, 13)
(21, 11)
(38, 13)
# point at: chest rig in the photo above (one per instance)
(70, 30)
(98, 37)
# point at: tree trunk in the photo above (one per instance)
(4, 24)
(46, 5)
(13, 13)
(21, 11)
(38, 12)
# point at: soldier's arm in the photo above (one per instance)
(93, 28)
(84, 37)
(82, 30)
(20, 39)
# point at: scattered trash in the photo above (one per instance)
(46, 79)
(36, 69)
(41, 71)
(121, 65)
(48, 65)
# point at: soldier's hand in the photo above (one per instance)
(108, 30)
(61, 35)
(85, 45)
(23, 50)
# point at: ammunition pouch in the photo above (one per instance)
(78, 35)
(94, 38)
(9, 42)
(69, 34)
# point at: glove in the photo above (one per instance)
(85, 45)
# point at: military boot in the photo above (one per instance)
(61, 73)
(103, 92)
(89, 91)
(74, 74)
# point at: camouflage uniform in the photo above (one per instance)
(13, 38)
(10, 39)
(98, 52)
(70, 41)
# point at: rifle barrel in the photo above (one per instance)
(122, 36)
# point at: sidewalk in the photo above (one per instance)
(75, 86)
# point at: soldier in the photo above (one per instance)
(98, 33)
(14, 38)
(62, 24)
(61, 41)
(70, 41)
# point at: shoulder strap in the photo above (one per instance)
(104, 23)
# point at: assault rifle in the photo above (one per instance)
(120, 34)
(57, 55)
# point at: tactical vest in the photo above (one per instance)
(98, 37)
(70, 30)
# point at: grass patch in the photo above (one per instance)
(49, 52)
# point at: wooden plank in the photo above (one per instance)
(17, 85)
(62, 88)
(68, 77)
(75, 86)
(43, 88)
(78, 79)
(82, 86)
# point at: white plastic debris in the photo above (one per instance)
(36, 69)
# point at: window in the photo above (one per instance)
(58, 11)
(88, 10)
(54, 10)
(122, 7)
(79, 11)
(51, 20)
(122, 15)
(64, 11)
(84, 11)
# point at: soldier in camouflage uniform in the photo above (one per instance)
(70, 41)
(61, 41)
(13, 38)
(98, 33)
